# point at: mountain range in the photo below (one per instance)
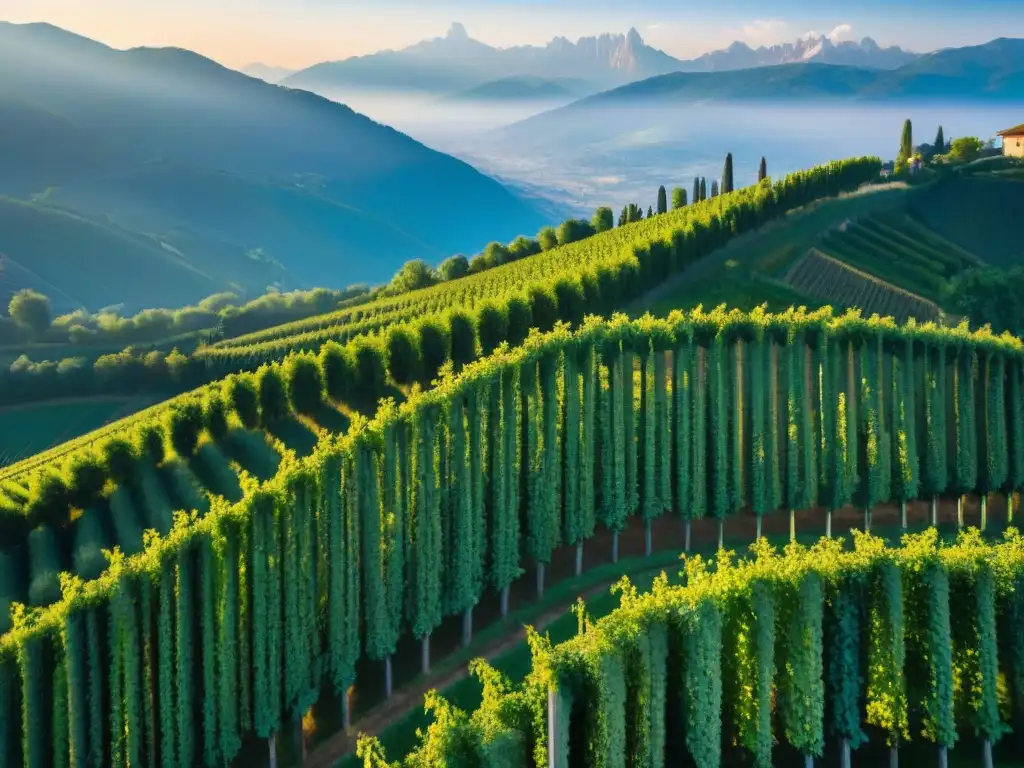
(267, 72)
(207, 179)
(989, 73)
(458, 63)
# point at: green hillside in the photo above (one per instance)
(978, 213)
(172, 145)
(333, 531)
(84, 262)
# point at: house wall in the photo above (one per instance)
(1013, 146)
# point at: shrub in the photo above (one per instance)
(403, 355)
(184, 423)
(491, 326)
(463, 336)
(339, 370)
(120, 458)
(244, 400)
(433, 344)
(85, 476)
(149, 443)
(547, 238)
(215, 416)
(48, 499)
(519, 319)
(371, 371)
(569, 294)
(273, 395)
(305, 383)
(543, 308)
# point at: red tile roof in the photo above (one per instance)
(1017, 130)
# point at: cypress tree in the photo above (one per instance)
(762, 170)
(662, 200)
(714, 187)
(940, 143)
(727, 182)
(906, 143)
(696, 189)
(703, 188)
(650, 212)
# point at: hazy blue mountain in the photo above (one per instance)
(817, 50)
(993, 72)
(523, 88)
(230, 171)
(456, 62)
(267, 72)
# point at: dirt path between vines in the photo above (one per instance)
(328, 753)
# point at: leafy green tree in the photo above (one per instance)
(31, 310)
(547, 238)
(495, 253)
(678, 198)
(662, 200)
(966, 148)
(727, 181)
(453, 267)
(522, 247)
(762, 170)
(479, 263)
(413, 275)
(603, 219)
(572, 230)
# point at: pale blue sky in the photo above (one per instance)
(296, 33)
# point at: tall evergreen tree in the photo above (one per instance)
(762, 170)
(678, 198)
(727, 174)
(650, 211)
(714, 187)
(696, 189)
(624, 215)
(662, 200)
(703, 188)
(906, 143)
(940, 143)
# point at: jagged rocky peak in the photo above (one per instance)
(457, 32)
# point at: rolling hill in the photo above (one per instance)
(522, 88)
(164, 140)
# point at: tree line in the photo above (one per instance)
(434, 505)
(30, 317)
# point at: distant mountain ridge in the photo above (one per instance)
(525, 88)
(267, 72)
(988, 73)
(818, 49)
(457, 62)
(252, 183)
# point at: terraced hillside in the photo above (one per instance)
(899, 250)
(826, 279)
(978, 213)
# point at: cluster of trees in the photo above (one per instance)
(30, 317)
(941, 151)
(795, 648)
(413, 515)
(606, 276)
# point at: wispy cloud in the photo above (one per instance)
(839, 33)
(765, 31)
